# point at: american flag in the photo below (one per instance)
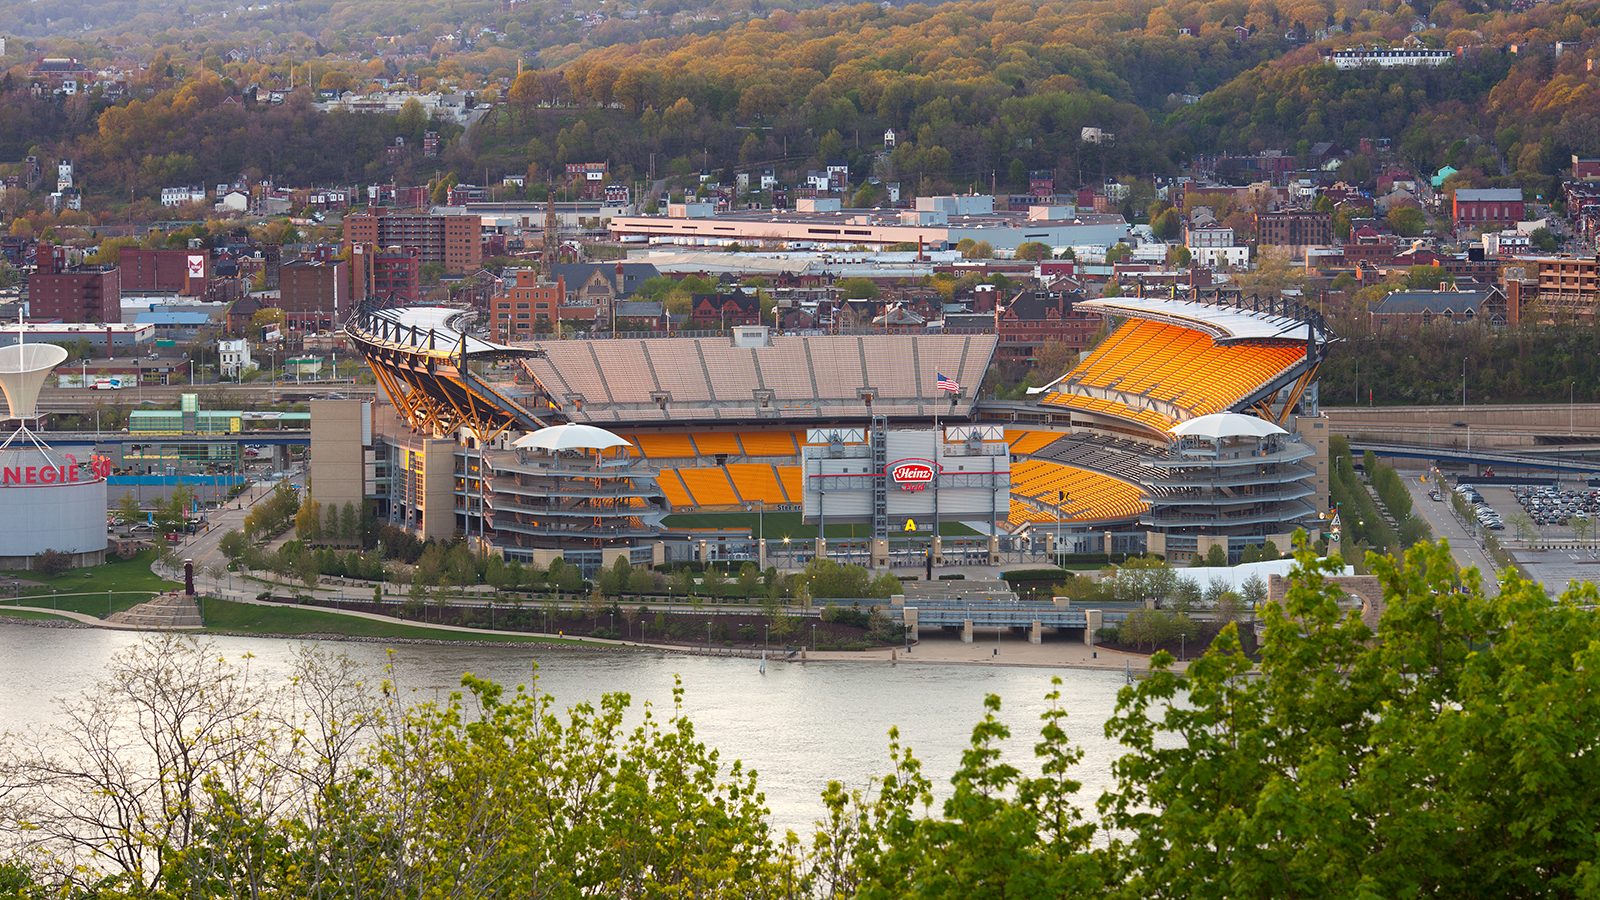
(949, 384)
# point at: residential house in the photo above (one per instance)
(707, 311)
(1033, 318)
(1443, 307)
(593, 287)
(177, 196)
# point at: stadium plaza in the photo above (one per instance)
(1192, 425)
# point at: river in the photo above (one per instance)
(798, 725)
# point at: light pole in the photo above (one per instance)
(1463, 382)
(708, 635)
(813, 638)
(1061, 502)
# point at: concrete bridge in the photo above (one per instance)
(1579, 460)
(1516, 428)
(1022, 617)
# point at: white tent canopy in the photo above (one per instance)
(571, 436)
(23, 371)
(1226, 425)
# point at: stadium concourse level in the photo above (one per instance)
(804, 377)
(1171, 361)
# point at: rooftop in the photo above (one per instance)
(1223, 323)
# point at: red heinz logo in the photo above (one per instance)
(912, 474)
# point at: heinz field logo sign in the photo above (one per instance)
(912, 474)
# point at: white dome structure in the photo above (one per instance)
(23, 370)
(1226, 425)
(571, 436)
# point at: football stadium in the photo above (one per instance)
(1193, 424)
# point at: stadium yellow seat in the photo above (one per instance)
(792, 477)
(673, 488)
(756, 481)
(710, 487)
(768, 443)
(1025, 442)
(664, 446)
(710, 443)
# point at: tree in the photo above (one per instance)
(1407, 221)
(50, 564)
(1427, 278)
(1167, 226)
(207, 740)
(129, 509)
(1542, 238)
(412, 121)
(1002, 834)
(857, 289)
(1034, 250)
(1350, 757)
(233, 545)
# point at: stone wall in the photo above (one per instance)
(1363, 590)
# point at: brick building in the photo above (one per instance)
(73, 293)
(1034, 317)
(314, 294)
(1489, 205)
(1294, 229)
(725, 310)
(593, 287)
(528, 308)
(455, 242)
(385, 274)
(179, 271)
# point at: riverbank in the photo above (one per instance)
(943, 650)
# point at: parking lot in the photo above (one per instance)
(1554, 569)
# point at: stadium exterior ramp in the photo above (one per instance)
(422, 356)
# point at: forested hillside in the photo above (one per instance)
(977, 93)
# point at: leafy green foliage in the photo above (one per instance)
(1445, 754)
(1425, 762)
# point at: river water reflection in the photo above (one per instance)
(798, 725)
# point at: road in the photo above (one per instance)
(78, 400)
(1468, 553)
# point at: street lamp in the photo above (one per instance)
(813, 638)
(708, 635)
(1061, 501)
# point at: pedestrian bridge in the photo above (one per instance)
(1030, 617)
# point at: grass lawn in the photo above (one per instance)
(84, 590)
(779, 525)
(225, 615)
